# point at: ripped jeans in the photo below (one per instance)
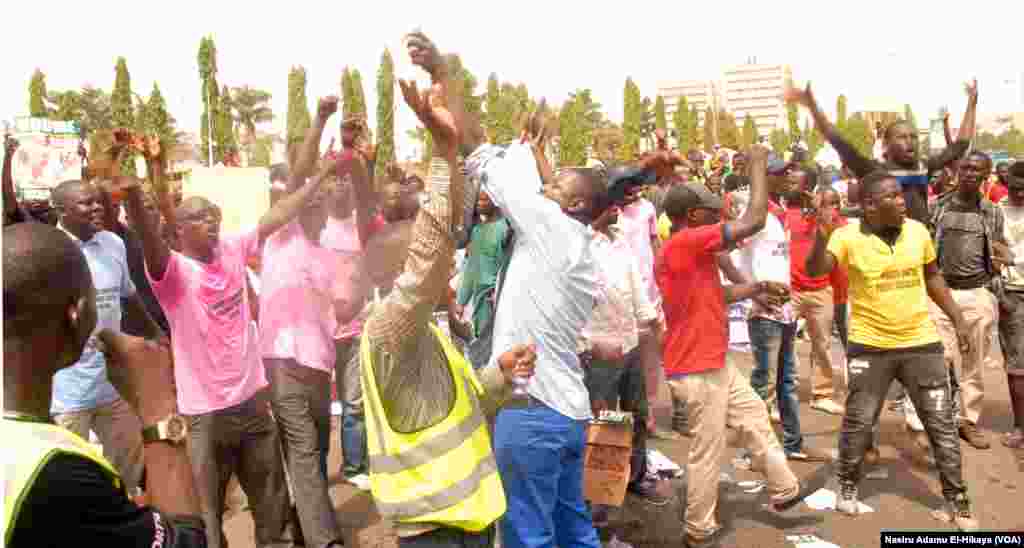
(922, 371)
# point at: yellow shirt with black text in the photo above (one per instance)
(888, 297)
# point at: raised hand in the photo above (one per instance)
(972, 89)
(366, 149)
(803, 97)
(10, 145)
(326, 108)
(758, 152)
(662, 139)
(424, 54)
(432, 110)
(518, 362)
(535, 127)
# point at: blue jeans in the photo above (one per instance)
(775, 374)
(353, 419)
(540, 458)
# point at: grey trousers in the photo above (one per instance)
(923, 374)
(301, 402)
(240, 440)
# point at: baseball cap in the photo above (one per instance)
(622, 178)
(1016, 175)
(687, 196)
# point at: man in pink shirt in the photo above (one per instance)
(219, 377)
(299, 316)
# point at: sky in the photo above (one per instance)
(915, 52)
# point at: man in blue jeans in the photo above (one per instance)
(549, 294)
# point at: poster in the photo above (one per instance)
(47, 155)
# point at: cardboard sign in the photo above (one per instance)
(606, 467)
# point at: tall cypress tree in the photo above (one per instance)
(709, 129)
(123, 105)
(681, 124)
(158, 121)
(841, 113)
(385, 110)
(695, 134)
(660, 118)
(207, 60)
(37, 95)
(358, 96)
(749, 131)
(632, 118)
(346, 93)
(224, 126)
(298, 106)
(492, 102)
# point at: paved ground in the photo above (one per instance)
(902, 501)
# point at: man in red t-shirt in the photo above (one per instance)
(812, 296)
(717, 395)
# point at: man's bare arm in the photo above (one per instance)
(754, 218)
(859, 164)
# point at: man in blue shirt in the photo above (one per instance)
(83, 398)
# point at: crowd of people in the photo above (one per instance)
(473, 324)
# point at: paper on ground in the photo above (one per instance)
(614, 542)
(658, 463)
(335, 409)
(824, 499)
(810, 541)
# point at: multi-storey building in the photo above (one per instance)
(756, 90)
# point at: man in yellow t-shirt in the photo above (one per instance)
(893, 274)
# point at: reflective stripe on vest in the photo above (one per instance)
(445, 474)
(30, 447)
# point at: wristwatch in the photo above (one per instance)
(173, 428)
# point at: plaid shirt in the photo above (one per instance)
(992, 222)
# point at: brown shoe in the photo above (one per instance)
(971, 434)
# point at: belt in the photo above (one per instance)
(523, 403)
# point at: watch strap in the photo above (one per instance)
(151, 433)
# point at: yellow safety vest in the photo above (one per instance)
(445, 474)
(30, 445)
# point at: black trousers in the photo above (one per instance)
(922, 372)
(623, 382)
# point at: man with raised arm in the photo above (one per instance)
(893, 274)
(717, 395)
(432, 469)
(220, 379)
(899, 149)
(58, 490)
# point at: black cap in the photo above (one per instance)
(622, 178)
(1016, 175)
(683, 198)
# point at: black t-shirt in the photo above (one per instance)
(74, 503)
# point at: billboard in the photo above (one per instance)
(47, 154)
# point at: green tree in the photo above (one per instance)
(858, 133)
(262, 151)
(473, 102)
(695, 134)
(153, 118)
(251, 107)
(298, 106)
(841, 113)
(681, 124)
(709, 129)
(749, 135)
(123, 108)
(728, 133)
(347, 96)
(37, 95)
(226, 140)
(210, 90)
(793, 121)
(64, 105)
(492, 102)
(386, 110)
(660, 118)
(578, 118)
(632, 121)
(647, 126)
(779, 140)
(358, 96)
(422, 136)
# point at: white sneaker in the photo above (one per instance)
(362, 482)
(827, 405)
(846, 500)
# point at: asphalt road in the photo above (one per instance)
(902, 501)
